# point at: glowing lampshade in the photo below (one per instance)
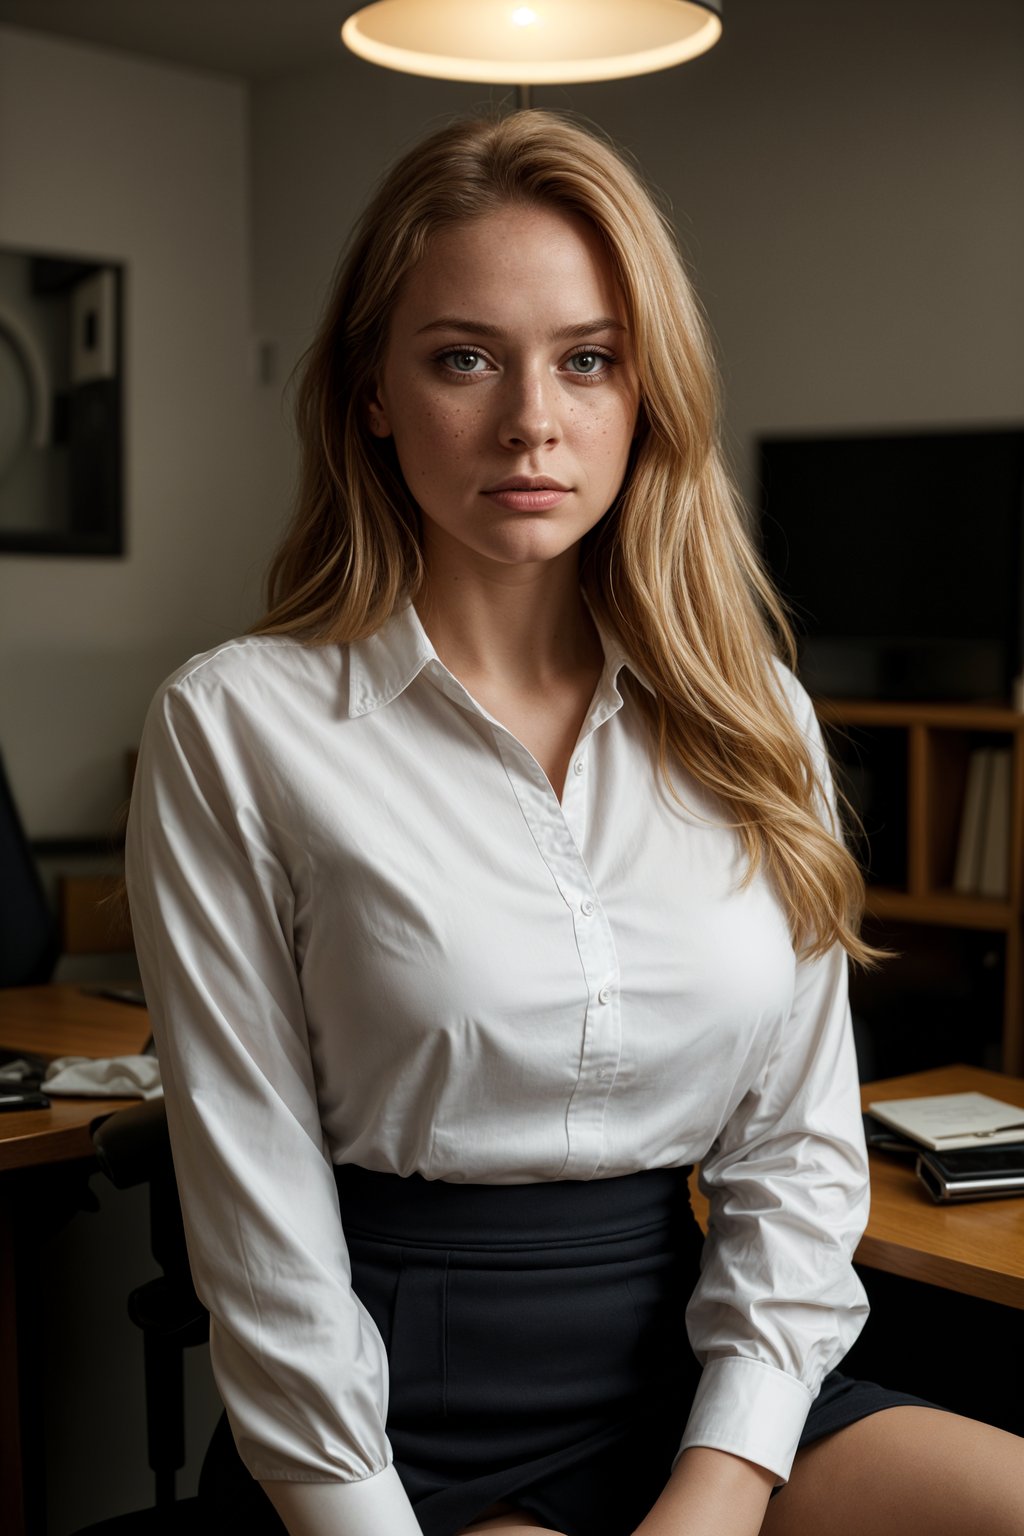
(548, 42)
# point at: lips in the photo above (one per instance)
(527, 493)
(527, 483)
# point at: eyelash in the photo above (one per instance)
(441, 358)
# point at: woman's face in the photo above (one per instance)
(508, 386)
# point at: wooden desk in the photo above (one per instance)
(39, 1144)
(62, 1021)
(975, 1248)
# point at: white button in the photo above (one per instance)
(604, 995)
(587, 907)
(577, 766)
(604, 1077)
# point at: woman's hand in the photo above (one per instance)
(710, 1493)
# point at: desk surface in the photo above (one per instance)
(62, 1021)
(976, 1248)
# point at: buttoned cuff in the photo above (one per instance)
(750, 1409)
(366, 1508)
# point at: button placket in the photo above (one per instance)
(586, 1112)
(602, 1039)
(574, 798)
(550, 824)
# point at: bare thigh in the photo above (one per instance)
(905, 1472)
(510, 1522)
(901, 1472)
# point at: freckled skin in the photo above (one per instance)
(529, 401)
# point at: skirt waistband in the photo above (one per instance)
(562, 1212)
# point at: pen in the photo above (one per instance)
(993, 1130)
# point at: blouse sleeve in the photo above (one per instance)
(778, 1303)
(298, 1361)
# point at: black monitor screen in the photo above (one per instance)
(900, 558)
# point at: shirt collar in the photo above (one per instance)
(615, 654)
(384, 664)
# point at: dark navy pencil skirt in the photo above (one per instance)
(536, 1344)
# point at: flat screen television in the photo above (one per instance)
(901, 556)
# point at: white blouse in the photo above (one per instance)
(369, 932)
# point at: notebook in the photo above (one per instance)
(944, 1121)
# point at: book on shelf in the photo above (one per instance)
(972, 822)
(983, 849)
(994, 878)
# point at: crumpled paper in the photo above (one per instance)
(132, 1077)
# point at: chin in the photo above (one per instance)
(530, 540)
(529, 550)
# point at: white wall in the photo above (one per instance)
(104, 154)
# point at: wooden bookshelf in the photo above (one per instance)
(926, 748)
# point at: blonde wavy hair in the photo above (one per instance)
(670, 567)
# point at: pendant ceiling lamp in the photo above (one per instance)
(549, 42)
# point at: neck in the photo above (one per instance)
(521, 626)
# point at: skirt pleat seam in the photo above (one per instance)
(444, 1337)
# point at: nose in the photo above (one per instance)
(530, 409)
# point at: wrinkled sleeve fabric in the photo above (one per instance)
(778, 1303)
(299, 1362)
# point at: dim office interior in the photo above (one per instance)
(844, 180)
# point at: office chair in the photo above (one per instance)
(29, 937)
(133, 1147)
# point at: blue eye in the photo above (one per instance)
(462, 360)
(589, 362)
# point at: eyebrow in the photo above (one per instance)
(482, 328)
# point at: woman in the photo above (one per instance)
(491, 883)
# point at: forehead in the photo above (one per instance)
(519, 262)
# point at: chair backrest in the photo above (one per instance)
(29, 937)
(133, 1147)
